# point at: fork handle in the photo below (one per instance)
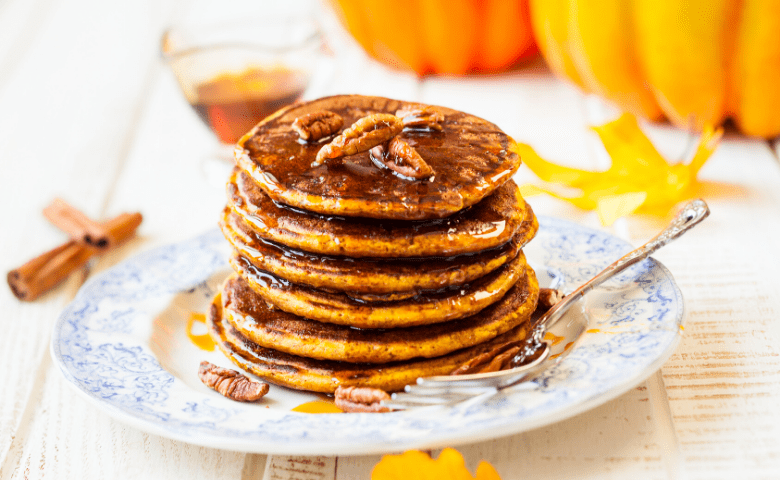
(690, 215)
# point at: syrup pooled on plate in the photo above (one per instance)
(202, 341)
(317, 406)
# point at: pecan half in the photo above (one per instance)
(403, 159)
(421, 116)
(547, 298)
(364, 134)
(316, 125)
(496, 359)
(361, 399)
(231, 383)
(500, 361)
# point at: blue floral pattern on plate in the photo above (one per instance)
(108, 345)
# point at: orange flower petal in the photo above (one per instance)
(416, 465)
(485, 471)
(410, 465)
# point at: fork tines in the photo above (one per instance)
(450, 389)
(414, 398)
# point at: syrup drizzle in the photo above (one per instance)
(202, 341)
(317, 406)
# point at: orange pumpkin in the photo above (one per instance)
(696, 62)
(441, 36)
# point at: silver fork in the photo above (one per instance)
(533, 359)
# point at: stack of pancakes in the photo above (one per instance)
(350, 274)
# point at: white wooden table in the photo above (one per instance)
(89, 113)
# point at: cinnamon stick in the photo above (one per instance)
(79, 226)
(48, 270)
(122, 227)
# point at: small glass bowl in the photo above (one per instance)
(235, 73)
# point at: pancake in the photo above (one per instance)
(323, 375)
(341, 309)
(471, 157)
(273, 328)
(369, 279)
(489, 224)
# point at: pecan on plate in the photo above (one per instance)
(363, 135)
(421, 116)
(231, 383)
(316, 125)
(499, 358)
(361, 399)
(547, 298)
(403, 159)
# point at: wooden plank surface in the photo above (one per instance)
(724, 382)
(56, 92)
(88, 113)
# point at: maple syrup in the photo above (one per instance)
(317, 406)
(230, 104)
(552, 338)
(202, 341)
(565, 349)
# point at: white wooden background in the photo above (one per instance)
(88, 112)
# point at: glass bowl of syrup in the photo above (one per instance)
(235, 73)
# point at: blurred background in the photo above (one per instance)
(693, 63)
(691, 66)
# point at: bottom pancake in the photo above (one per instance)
(325, 376)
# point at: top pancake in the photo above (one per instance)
(470, 158)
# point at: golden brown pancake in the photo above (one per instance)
(489, 224)
(370, 279)
(470, 157)
(273, 328)
(423, 309)
(324, 375)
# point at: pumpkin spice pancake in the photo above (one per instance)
(330, 170)
(496, 220)
(341, 308)
(375, 242)
(325, 376)
(270, 327)
(369, 279)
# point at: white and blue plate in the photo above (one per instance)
(122, 344)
